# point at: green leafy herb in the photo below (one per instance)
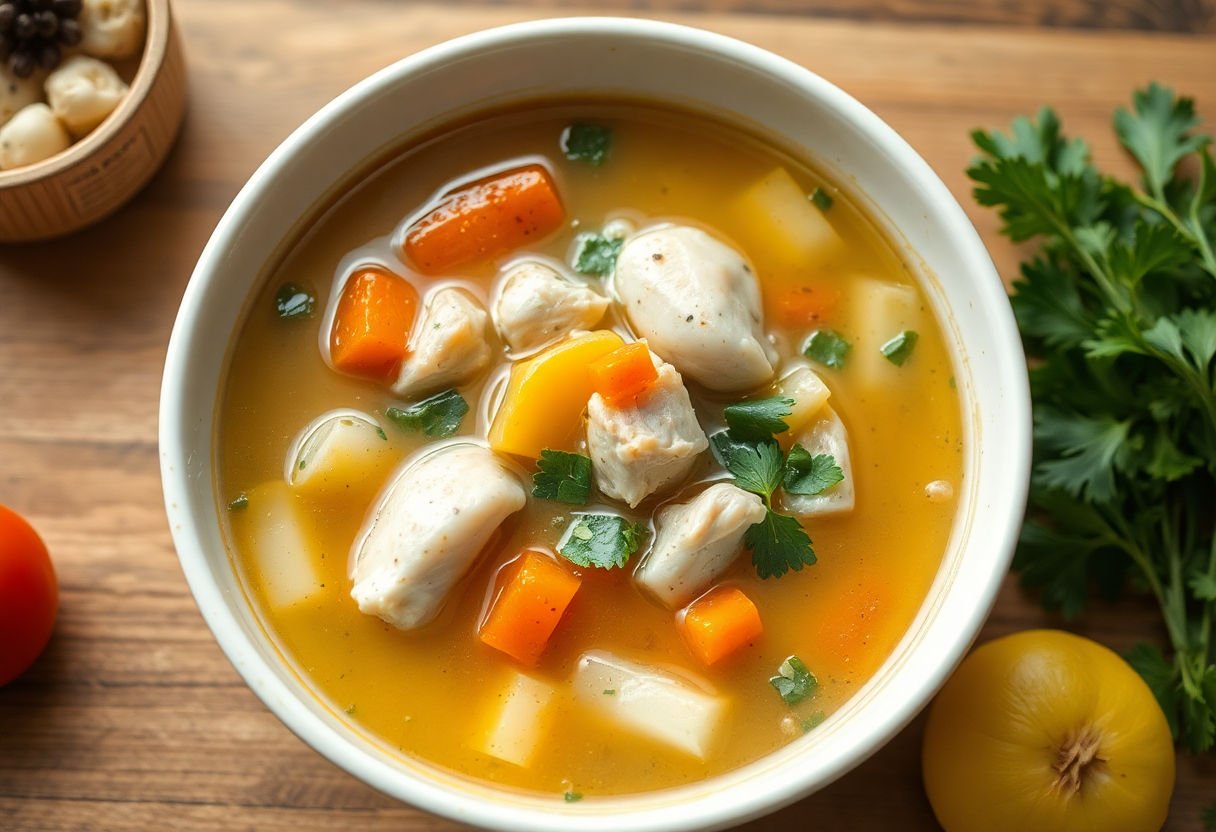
(813, 721)
(563, 477)
(810, 475)
(794, 682)
(778, 543)
(828, 348)
(582, 142)
(900, 347)
(292, 301)
(439, 416)
(609, 692)
(822, 199)
(755, 420)
(601, 540)
(1117, 309)
(756, 466)
(241, 502)
(572, 796)
(380, 432)
(596, 254)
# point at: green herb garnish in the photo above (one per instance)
(241, 502)
(582, 142)
(601, 540)
(1117, 310)
(810, 475)
(439, 416)
(380, 432)
(572, 796)
(794, 682)
(609, 692)
(350, 709)
(822, 199)
(596, 254)
(563, 477)
(292, 301)
(900, 347)
(813, 721)
(828, 348)
(778, 543)
(758, 419)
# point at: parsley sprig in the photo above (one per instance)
(1118, 310)
(749, 453)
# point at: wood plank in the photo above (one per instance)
(133, 716)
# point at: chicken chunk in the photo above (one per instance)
(648, 444)
(825, 434)
(697, 302)
(427, 529)
(696, 541)
(449, 344)
(536, 304)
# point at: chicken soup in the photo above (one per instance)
(589, 449)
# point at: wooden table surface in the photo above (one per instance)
(133, 720)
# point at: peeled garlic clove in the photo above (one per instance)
(16, 93)
(83, 91)
(112, 28)
(32, 135)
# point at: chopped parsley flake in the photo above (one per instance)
(828, 348)
(292, 301)
(438, 416)
(810, 475)
(822, 199)
(583, 142)
(601, 540)
(241, 502)
(571, 796)
(596, 254)
(563, 477)
(794, 682)
(900, 347)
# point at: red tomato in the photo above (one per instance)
(29, 595)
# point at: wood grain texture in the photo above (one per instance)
(133, 720)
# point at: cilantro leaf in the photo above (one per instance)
(583, 142)
(899, 348)
(439, 415)
(293, 302)
(822, 199)
(596, 254)
(563, 477)
(827, 347)
(778, 543)
(1158, 133)
(810, 475)
(601, 540)
(794, 682)
(756, 466)
(755, 420)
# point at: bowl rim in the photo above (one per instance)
(709, 810)
(157, 30)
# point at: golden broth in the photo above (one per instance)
(429, 693)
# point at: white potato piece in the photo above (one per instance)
(449, 344)
(17, 93)
(112, 28)
(697, 541)
(536, 304)
(650, 702)
(778, 212)
(83, 91)
(697, 301)
(342, 452)
(825, 435)
(520, 722)
(427, 529)
(30, 136)
(879, 312)
(639, 449)
(282, 548)
(806, 388)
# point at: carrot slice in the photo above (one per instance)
(718, 623)
(371, 328)
(526, 612)
(488, 217)
(622, 375)
(805, 305)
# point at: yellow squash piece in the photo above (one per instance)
(547, 395)
(775, 213)
(1051, 732)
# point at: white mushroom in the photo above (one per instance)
(537, 304)
(83, 91)
(647, 445)
(825, 434)
(30, 136)
(427, 529)
(449, 344)
(696, 541)
(697, 302)
(112, 28)
(16, 93)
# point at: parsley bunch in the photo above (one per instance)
(1117, 309)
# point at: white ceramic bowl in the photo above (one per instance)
(696, 70)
